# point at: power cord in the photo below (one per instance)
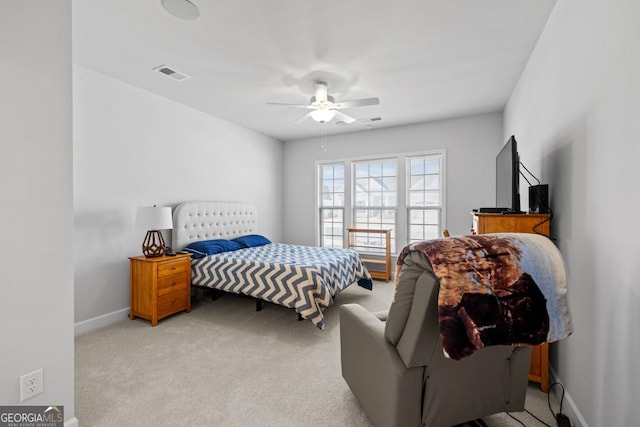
(542, 422)
(516, 419)
(561, 419)
(530, 413)
(544, 221)
(548, 207)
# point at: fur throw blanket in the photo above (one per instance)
(504, 288)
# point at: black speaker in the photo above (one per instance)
(539, 198)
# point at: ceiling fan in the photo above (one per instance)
(324, 108)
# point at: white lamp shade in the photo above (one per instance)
(154, 218)
(322, 115)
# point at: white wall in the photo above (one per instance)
(575, 110)
(471, 145)
(133, 148)
(36, 256)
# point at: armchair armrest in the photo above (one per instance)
(388, 390)
(356, 316)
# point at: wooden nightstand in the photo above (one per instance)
(160, 286)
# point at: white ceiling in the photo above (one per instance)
(424, 59)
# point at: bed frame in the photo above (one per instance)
(193, 221)
(197, 221)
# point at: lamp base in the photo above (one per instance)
(153, 245)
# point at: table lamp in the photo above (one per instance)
(153, 219)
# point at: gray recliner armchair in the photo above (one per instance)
(394, 363)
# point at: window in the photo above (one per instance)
(424, 198)
(404, 193)
(332, 205)
(376, 198)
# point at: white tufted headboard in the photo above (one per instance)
(193, 221)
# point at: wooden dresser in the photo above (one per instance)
(511, 223)
(160, 286)
(521, 223)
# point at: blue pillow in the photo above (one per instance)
(211, 247)
(251, 240)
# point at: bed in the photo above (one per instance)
(303, 278)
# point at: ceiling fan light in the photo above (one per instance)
(322, 115)
(182, 9)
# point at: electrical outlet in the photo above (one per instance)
(31, 385)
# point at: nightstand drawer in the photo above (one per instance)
(172, 283)
(174, 267)
(172, 303)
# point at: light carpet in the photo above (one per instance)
(224, 364)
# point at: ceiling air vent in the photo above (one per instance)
(170, 72)
(369, 120)
(363, 121)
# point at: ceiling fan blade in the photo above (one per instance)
(342, 117)
(357, 103)
(303, 118)
(288, 105)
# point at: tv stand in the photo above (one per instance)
(510, 222)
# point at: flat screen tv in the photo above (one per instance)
(508, 177)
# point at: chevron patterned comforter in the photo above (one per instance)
(300, 277)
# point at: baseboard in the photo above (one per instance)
(569, 406)
(101, 321)
(71, 422)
